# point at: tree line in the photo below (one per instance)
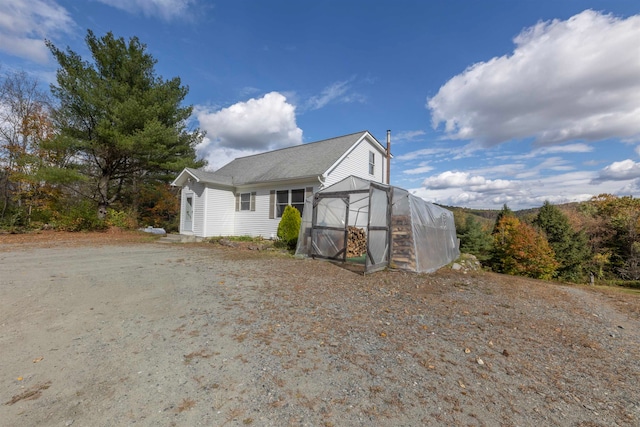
(100, 146)
(594, 240)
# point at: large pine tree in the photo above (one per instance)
(126, 125)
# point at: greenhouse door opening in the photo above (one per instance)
(378, 232)
(329, 231)
(353, 226)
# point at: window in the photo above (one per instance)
(297, 199)
(372, 163)
(245, 201)
(282, 200)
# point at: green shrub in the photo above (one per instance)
(127, 220)
(289, 226)
(81, 216)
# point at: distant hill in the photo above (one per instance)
(488, 216)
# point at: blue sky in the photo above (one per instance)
(489, 102)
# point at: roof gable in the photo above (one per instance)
(199, 175)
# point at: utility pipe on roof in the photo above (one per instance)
(388, 157)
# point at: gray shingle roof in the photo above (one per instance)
(299, 161)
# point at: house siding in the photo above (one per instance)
(220, 213)
(357, 163)
(257, 223)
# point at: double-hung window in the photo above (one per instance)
(372, 163)
(246, 201)
(297, 199)
(281, 198)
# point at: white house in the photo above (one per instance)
(248, 195)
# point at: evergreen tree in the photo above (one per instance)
(570, 247)
(289, 226)
(505, 211)
(126, 125)
(474, 239)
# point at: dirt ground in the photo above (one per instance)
(119, 329)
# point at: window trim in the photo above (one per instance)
(299, 204)
(245, 205)
(372, 163)
(275, 205)
(278, 213)
(252, 201)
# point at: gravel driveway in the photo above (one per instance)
(108, 332)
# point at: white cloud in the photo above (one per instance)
(245, 128)
(633, 188)
(425, 152)
(556, 164)
(407, 136)
(25, 25)
(422, 168)
(336, 92)
(619, 171)
(476, 191)
(638, 150)
(566, 148)
(464, 180)
(566, 80)
(330, 93)
(164, 9)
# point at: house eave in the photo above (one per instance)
(281, 181)
(182, 178)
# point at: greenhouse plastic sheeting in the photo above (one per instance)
(416, 235)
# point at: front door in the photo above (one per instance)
(188, 213)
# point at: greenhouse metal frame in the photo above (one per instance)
(402, 230)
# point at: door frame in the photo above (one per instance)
(341, 255)
(187, 223)
(371, 265)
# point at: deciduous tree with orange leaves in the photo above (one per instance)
(520, 250)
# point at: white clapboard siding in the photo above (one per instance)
(257, 223)
(357, 163)
(220, 213)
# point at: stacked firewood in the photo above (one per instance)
(403, 255)
(356, 242)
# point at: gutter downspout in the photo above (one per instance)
(388, 157)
